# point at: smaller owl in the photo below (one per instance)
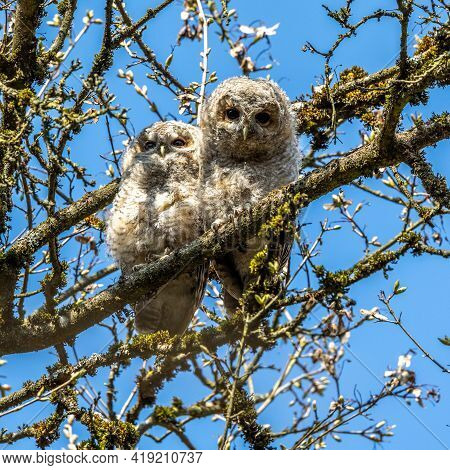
(249, 149)
(156, 211)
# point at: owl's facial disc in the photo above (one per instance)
(263, 118)
(232, 113)
(149, 145)
(179, 142)
(148, 141)
(176, 143)
(252, 117)
(246, 119)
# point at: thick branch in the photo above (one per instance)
(13, 260)
(352, 98)
(39, 331)
(435, 185)
(23, 49)
(177, 353)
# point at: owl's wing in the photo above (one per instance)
(201, 273)
(282, 247)
(228, 274)
(129, 153)
(173, 307)
(233, 268)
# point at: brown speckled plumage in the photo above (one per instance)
(245, 156)
(156, 211)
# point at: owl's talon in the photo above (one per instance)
(137, 267)
(217, 224)
(230, 217)
(240, 210)
(237, 211)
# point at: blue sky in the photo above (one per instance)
(375, 346)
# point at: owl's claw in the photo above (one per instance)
(217, 224)
(231, 216)
(137, 267)
(238, 211)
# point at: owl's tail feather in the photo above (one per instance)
(233, 268)
(173, 307)
(148, 315)
(230, 303)
(229, 276)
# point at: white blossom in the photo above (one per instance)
(373, 314)
(259, 31)
(404, 361)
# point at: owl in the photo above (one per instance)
(155, 212)
(249, 148)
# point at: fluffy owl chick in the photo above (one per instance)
(249, 148)
(156, 211)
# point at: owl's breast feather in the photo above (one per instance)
(163, 201)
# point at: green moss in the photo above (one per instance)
(338, 282)
(63, 6)
(165, 414)
(257, 437)
(46, 432)
(258, 261)
(433, 43)
(333, 283)
(145, 346)
(351, 74)
(411, 238)
(441, 118)
(108, 435)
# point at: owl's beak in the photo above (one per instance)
(162, 151)
(245, 132)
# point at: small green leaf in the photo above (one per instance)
(262, 300)
(397, 289)
(168, 61)
(259, 299)
(445, 340)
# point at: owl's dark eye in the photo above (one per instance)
(179, 143)
(149, 145)
(233, 114)
(263, 118)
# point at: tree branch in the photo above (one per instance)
(353, 97)
(435, 185)
(23, 49)
(13, 260)
(40, 331)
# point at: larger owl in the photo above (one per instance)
(156, 211)
(249, 148)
